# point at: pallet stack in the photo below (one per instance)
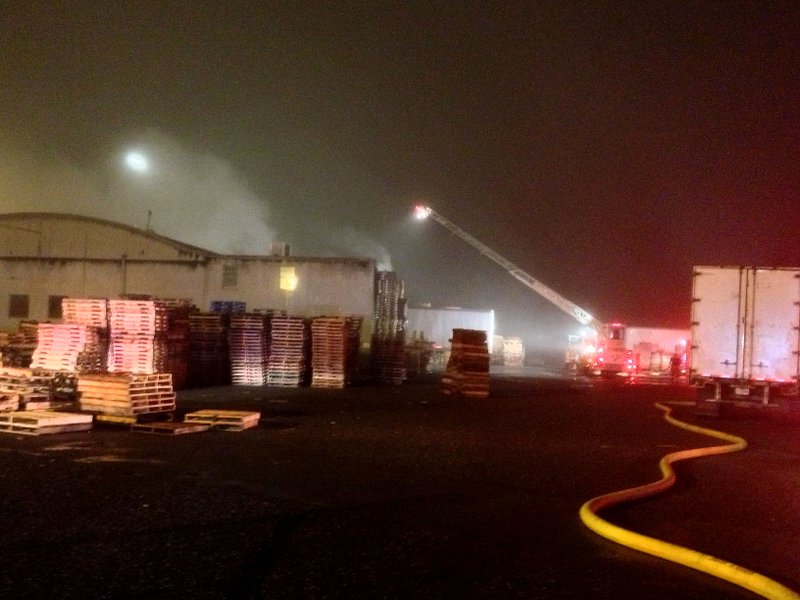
(58, 346)
(209, 358)
(249, 348)
(93, 314)
(126, 394)
(178, 341)
(388, 340)
(334, 348)
(467, 371)
(137, 336)
(288, 353)
(21, 345)
(24, 389)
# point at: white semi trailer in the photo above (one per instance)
(745, 342)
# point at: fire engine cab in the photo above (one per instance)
(611, 356)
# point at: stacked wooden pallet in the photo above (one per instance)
(43, 422)
(334, 347)
(21, 345)
(209, 358)
(178, 341)
(25, 389)
(126, 394)
(388, 340)
(137, 339)
(288, 352)
(92, 312)
(58, 346)
(467, 371)
(249, 349)
(390, 306)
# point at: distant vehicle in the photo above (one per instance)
(611, 356)
(745, 335)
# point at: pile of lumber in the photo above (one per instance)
(249, 348)
(209, 358)
(467, 371)
(334, 350)
(126, 394)
(388, 340)
(288, 353)
(137, 336)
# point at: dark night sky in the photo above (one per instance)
(604, 147)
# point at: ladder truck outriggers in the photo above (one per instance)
(600, 350)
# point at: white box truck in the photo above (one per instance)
(745, 335)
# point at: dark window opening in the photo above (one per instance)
(18, 306)
(54, 307)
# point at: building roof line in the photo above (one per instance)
(130, 228)
(182, 246)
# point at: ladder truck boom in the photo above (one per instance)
(537, 286)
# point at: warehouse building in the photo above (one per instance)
(45, 257)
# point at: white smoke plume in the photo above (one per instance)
(192, 197)
(350, 242)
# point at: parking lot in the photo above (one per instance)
(394, 492)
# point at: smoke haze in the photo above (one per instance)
(196, 198)
(349, 242)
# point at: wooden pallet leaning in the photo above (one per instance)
(228, 420)
(43, 422)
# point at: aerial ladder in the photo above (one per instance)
(606, 352)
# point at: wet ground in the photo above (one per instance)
(394, 492)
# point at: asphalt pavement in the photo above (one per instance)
(395, 492)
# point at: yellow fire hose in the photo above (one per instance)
(716, 567)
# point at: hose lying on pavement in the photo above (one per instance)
(735, 574)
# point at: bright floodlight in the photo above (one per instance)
(137, 161)
(421, 211)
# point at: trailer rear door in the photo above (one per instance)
(772, 325)
(717, 321)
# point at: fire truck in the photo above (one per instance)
(599, 350)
